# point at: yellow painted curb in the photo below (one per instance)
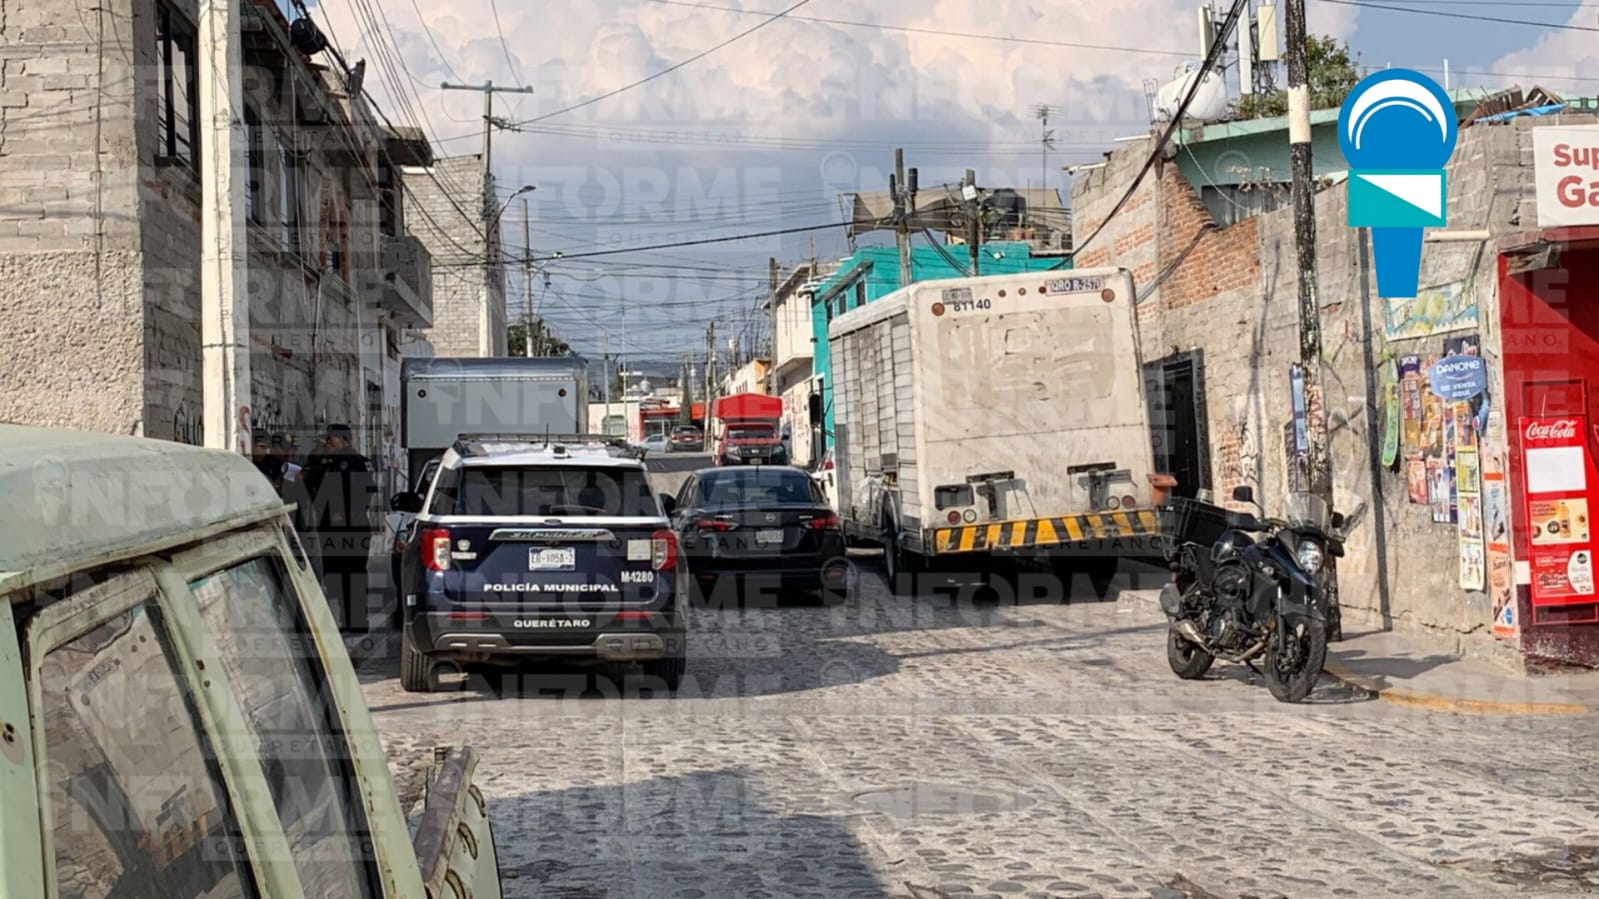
(1436, 703)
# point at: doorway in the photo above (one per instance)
(1179, 431)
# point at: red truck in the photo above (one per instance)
(744, 430)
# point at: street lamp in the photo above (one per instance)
(485, 334)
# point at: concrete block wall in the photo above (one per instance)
(69, 267)
(435, 217)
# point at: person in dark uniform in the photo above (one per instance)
(341, 483)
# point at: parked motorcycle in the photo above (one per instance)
(1254, 592)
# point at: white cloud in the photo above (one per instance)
(822, 104)
(1577, 51)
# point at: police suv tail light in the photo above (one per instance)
(663, 550)
(436, 549)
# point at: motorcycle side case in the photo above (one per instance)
(1170, 600)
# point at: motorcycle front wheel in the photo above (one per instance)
(1292, 670)
(1188, 660)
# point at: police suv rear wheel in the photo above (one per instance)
(416, 669)
(670, 669)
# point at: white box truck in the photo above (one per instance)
(998, 415)
(443, 398)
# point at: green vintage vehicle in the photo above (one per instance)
(178, 716)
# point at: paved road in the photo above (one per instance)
(931, 747)
(668, 470)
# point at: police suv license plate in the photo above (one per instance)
(769, 535)
(551, 559)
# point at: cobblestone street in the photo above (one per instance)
(925, 747)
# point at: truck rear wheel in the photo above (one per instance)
(896, 559)
(416, 669)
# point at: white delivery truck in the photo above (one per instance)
(443, 398)
(996, 416)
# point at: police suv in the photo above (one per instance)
(556, 548)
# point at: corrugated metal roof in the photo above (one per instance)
(67, 497)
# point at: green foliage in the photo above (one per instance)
(545, 343)
(1331, 72)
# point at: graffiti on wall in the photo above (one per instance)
(1433, 311)
(186, 428)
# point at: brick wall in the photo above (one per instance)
(1232, 295)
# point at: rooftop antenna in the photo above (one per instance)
(1046, 142)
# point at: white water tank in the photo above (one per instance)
(1209, 103)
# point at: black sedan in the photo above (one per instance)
(768, 524)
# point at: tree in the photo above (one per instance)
(1331, 73)
(544, 343)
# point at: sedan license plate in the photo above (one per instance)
(769, 535)
(551, 559)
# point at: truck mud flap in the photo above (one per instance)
(1131, 533)
(454, 840)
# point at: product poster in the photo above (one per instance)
(1468, 493)
(1559, 492)
(1410, 408)
(1440, 490)
(1495, 509)
(1557, 522)
(1473, 567)
(1432, 416)
(1416, 481)
(1496, 533)
(1468, 472)
(1503, 592)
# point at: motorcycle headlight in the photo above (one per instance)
(1310, 556)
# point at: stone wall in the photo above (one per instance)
(1231, 295)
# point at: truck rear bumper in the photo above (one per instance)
(1131, 533)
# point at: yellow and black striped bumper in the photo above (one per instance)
(1046, 532)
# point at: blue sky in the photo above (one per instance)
(765, 132)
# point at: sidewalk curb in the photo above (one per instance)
(1437, 703)
(1432, 701)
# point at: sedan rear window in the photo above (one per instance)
(555, 491)
(758, 487)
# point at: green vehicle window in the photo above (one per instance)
(139, 808)
(276, 671)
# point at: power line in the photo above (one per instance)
(1155, 153)
(1367, 4)
(804, 229)
(939, 32)
(434, 41)
(509, 60)
(666, 71)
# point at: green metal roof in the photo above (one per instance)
(1465, 99)
(68, 497)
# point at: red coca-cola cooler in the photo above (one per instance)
(1558, 496)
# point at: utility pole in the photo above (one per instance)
(1304, 203)
(902, 234)
(224, 272)
(771, 352)
(485, 332)
(527, 287)
(974, 222)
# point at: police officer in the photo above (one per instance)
(342, 483)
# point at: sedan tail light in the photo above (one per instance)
(823, 523)
(713, 524)
(663, 550)
(436, 549)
